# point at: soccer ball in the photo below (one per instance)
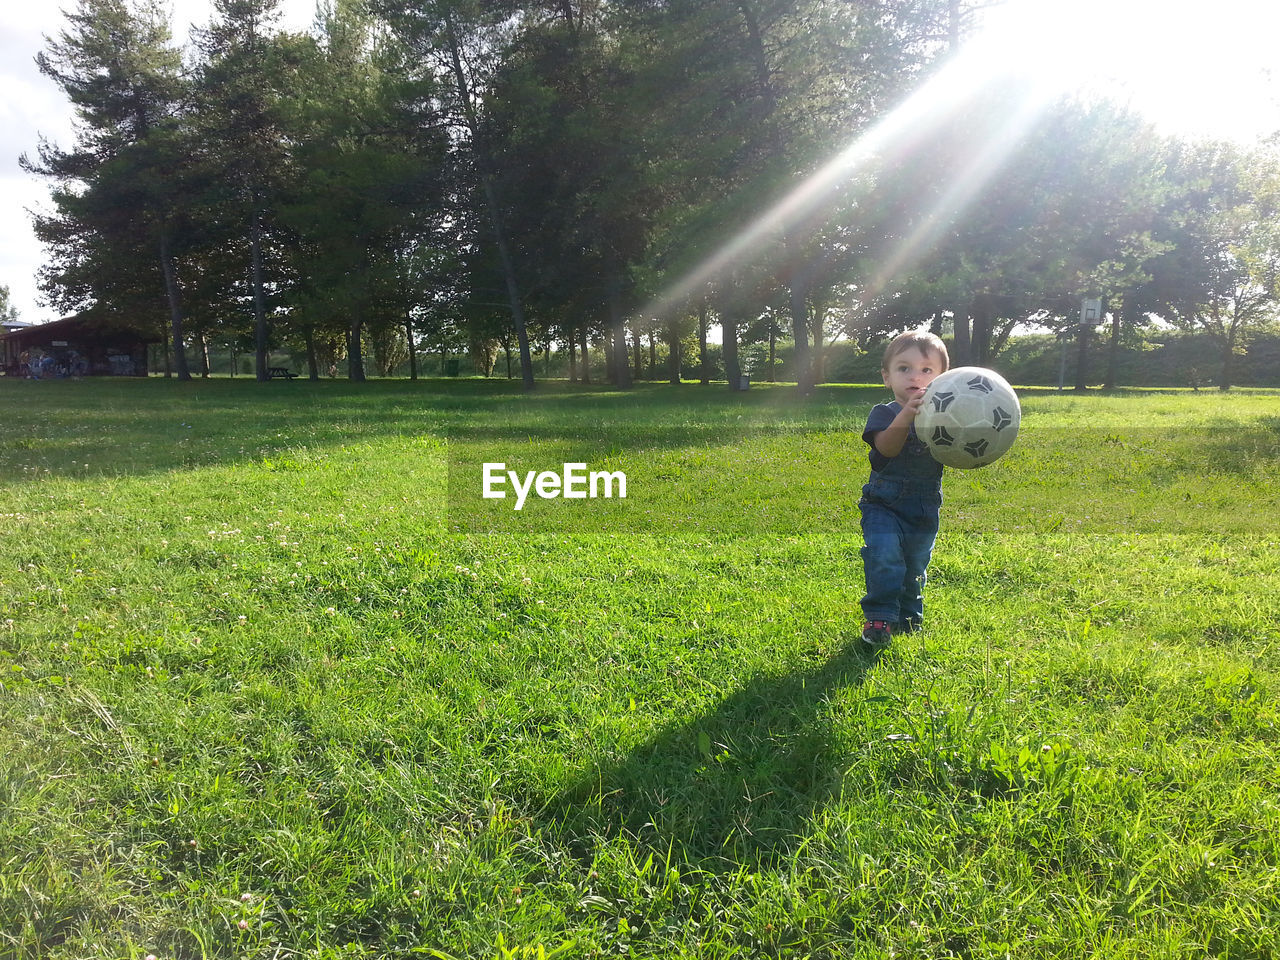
(969, 417)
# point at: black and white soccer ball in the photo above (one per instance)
(969, 417)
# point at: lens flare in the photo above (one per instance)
(980, 66)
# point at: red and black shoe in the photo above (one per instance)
(876, 633)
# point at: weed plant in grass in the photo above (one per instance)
(271, 686)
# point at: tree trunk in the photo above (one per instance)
(1113, 348)
(1082, 358)
(513, 287)
(983, 313)
(1000, 338)
(413, 349)
(704, 362)
(313, 362)
(618, 326)
(800, 326)
(573, 358)
(674, 358)
(204, 355)
(819, 350)
(355, 351)
(586, 357)
(1228, 362)
(729, 334)
(638, 355)
(773, 348)
(175, 306)
(960, 346)
(259, 306)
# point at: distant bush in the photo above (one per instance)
(1164, 358)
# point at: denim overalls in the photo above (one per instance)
(900, 505)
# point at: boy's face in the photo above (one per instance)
(910, 371)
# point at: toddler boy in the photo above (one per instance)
(901, 501)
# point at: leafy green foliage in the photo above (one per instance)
(116, 223)
(466, 172)
(7, 310)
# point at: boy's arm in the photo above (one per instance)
(893, 438)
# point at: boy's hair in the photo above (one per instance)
(922, 340)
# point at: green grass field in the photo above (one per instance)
(271, 686)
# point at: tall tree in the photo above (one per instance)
(754, 98)
(245, 78)
(1050, 202)
(461, 41)
(120, 188)
(1221, 273)
(564, 121)
(365, 184)
(8, 312)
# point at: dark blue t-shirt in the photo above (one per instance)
(914, 462)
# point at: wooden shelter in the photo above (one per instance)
(75, 347)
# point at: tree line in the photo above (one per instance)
(485, 174)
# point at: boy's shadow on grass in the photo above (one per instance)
(738, 784)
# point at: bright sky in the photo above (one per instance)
(1194, 67)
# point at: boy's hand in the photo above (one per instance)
(912, 406)
(893, 438)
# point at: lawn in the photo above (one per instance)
(275, 682)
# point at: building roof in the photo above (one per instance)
(79, 327)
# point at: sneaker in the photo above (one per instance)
(876, 633)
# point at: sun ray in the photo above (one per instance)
(907, 128)
(968, 180)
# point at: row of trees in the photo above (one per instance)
(516, 172)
